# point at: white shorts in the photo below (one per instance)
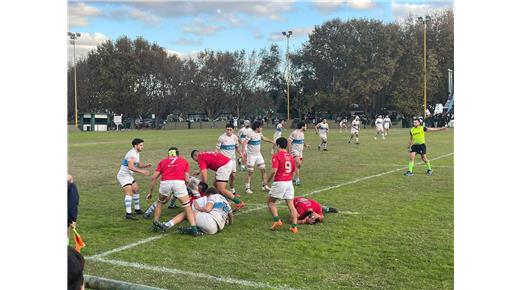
(354, 131)
(379, 128)
(206, 223)
(125, 179)
(255, 159)
(177, 187)
(323, 137)
(387, 126)
(282, 190)
(296, 153)
(224, 171)
(234, 161)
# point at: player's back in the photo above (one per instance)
(284, 163)
(173, 168)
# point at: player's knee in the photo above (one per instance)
(163, 199)
(185, 204)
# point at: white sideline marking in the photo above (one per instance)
(193, 274)
(436, 166)
(263, 207)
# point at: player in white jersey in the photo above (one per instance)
(379, 127)
(254, 157)
(212, 214)
(278, 133)
(235, 122)
(343, 125)
(227, 144)
(129, 165)
(242, 133)
(354, 129)
(386, 124)
(322, 129)
(295, 148)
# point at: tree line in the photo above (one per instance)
(343, 66)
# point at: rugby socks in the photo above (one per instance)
(410, 166)
(429, 166)
(194, 229)
(128, 203)
(325, 209)
(172, 202)
(276, 218)
(151, 209)
(357, 140)
(236, 200)
(136, 201)
(169, 224)
(293, 225)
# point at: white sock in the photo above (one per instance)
(169, 224)
(232, 190)
(151, 208)
(128, 203)
(136, 201)
(248, 185)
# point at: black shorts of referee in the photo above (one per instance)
(418, 148)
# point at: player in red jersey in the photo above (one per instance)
(310, 211)
(223, 166)
(282, 187)
(174, 171)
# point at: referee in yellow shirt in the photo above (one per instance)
(416, 145)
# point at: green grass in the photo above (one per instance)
(402, 237)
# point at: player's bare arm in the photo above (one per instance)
(268, 140)
(132, 167)
(273, 173)
(204, 175)
(207, 208)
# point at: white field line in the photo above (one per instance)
(435, 166)
(262, 207)
(193, 274)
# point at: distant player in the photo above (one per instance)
(212, 212)
(227, 144)
(282, 188)
(322, 129)
(174, 171)
(278, 132)
(310, 211)
(354, 129)
(379, 127)
(387, 123)
(242, 133)
(252, 144)
(223, 166)
(296, 146)
(417, 145)
(343, 125)
(235, 122)
(130, 164)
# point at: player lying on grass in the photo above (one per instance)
(223, 166)
(212, 213)
(196, 189)
(174, 172)
(282, 188)
(310, 211)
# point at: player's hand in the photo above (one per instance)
(73, 225)
(146, 173)
(149, 196)
(195, 173)
(148, 165)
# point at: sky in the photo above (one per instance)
(187, 27)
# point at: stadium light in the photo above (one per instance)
(424, 21)
(287, 35)
(73, 36)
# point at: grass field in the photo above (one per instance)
(392, 232)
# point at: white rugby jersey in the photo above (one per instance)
(278, 131)
(323, 128)
(227, 144)
(242, 133)
(379, 122)
(355, 124)
(297, 141)
(254, 140)
(387, 120)
(132, 154)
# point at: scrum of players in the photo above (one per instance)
(209, 209)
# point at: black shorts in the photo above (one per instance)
(419, 148)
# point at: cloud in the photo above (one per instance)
(187, 42)
(125, 12)
(297, 32)
(360, 4)
(328, 5)
(202, 29)
(84, 44)
(79, 14)
(183, 56)
(402, 11)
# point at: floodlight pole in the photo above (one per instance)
(288, 77)
(424, 21)
(73, 36)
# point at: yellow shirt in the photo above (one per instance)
(417, 134)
